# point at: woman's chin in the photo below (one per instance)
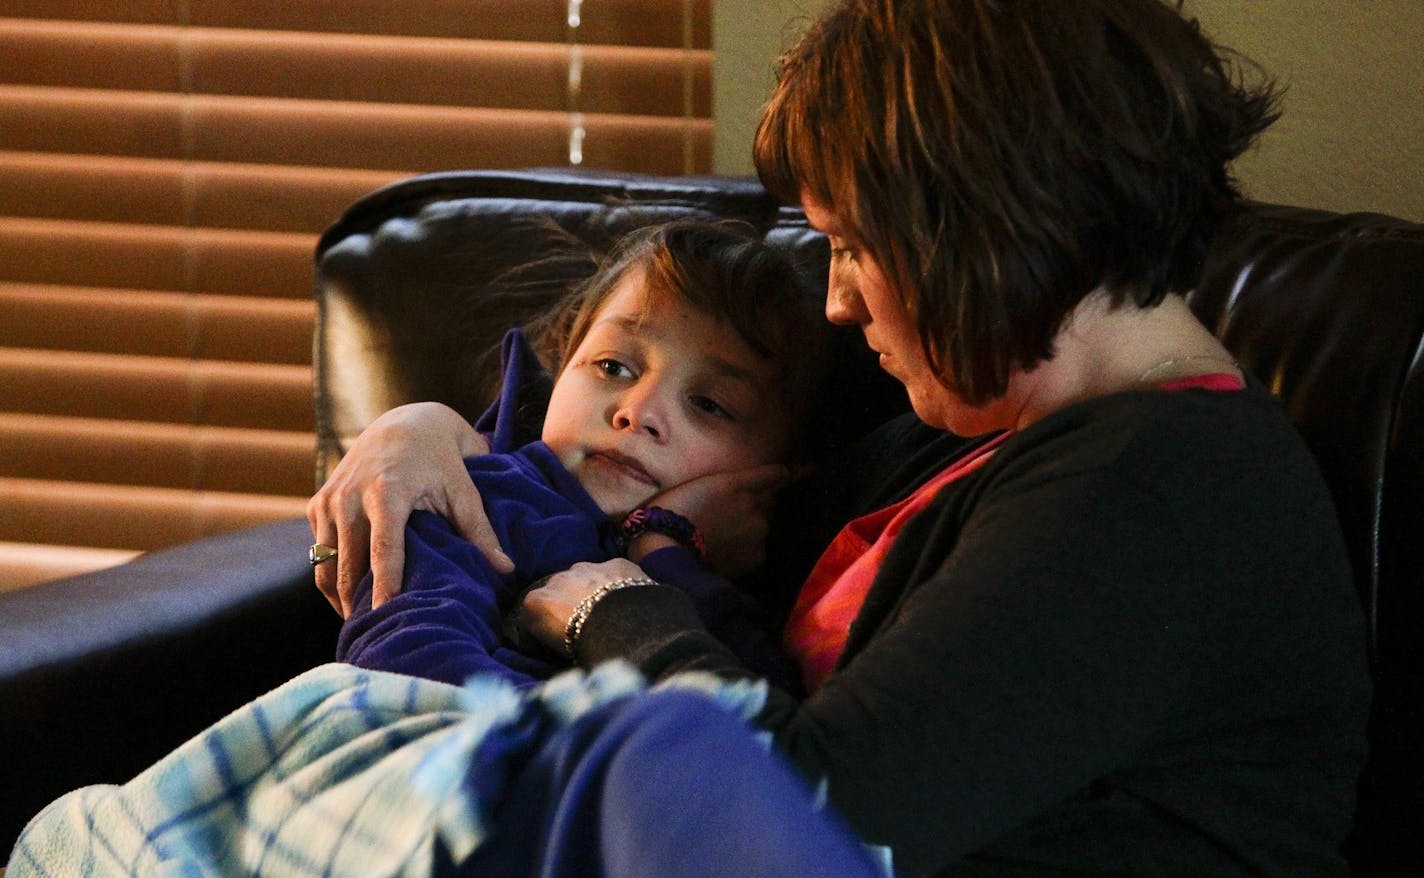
(945, 411)
(934, 411)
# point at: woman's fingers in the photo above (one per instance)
(353, 534)
(324, 532)
(339, 523)
(387, 542)
(408, 458)
(325, 575)
(467, 514)
(466, 511)
(389, 504)
(764, 481)
(730, 511)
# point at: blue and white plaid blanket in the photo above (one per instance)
(351, 772)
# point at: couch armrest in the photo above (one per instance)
(103, 673)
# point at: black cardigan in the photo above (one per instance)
(1128, 644)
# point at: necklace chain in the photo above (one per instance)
(1173, 361)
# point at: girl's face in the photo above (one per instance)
(859, 292)
(658, 393)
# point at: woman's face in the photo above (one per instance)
(859, 292)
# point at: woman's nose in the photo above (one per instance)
(843, 304)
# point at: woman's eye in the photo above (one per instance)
(613, 368)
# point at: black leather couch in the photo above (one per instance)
(100, 674)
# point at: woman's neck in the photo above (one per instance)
(1104, 349)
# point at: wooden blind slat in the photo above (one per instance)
(135, 11)
(334, 134)
(469, 73)
(260, 395)
(156, 257)
(159, 324)
(619, 22)
(122, 189)
(128, 517)
(47, 119)
(114, 55)
(154, 454)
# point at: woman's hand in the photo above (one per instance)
(409, 458)
(545, 611)
(730, 511)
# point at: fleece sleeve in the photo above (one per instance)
(445, 623)
(727, 612)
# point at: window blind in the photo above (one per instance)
(165, 168)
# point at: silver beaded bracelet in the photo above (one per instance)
(580, 615)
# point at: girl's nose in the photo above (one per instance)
(640, 410)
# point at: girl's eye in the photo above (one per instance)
(710, 406)
(613, 368)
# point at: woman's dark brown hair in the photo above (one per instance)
(1002, 159)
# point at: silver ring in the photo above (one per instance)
(319, 553)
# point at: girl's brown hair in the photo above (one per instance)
(1004, 158)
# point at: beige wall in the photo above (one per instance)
(747, 35)
(1352, 137)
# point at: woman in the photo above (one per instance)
(1118, 635)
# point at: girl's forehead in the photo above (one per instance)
(631, 301)
(664, 319)
(650, 313)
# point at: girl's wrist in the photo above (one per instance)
(658, 521)
(647, 543)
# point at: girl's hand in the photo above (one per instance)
(545, 611)
(729, 510)
(409, 458)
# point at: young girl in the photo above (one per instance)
(686, 364)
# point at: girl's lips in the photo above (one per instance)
(627, 465)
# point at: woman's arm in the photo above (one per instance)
(729, 510)
(1023, 639)
(731, 614)
(987, 682)
(409, 458)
